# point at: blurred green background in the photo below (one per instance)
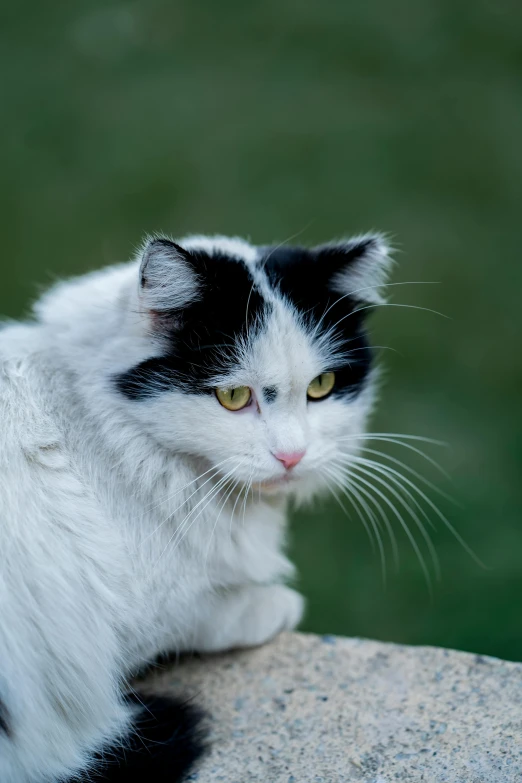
(272, 118)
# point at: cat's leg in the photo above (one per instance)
(60, 697)
(63, 603)
(245, 617)
(62, 713)
(144, 737)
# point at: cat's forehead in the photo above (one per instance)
(263, 316)
(264, 297)
(281, 355)
(277, 343)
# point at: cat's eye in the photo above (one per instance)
(234, 399)
(321, 386)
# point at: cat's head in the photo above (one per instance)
(259, 361)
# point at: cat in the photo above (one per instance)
(157, 417)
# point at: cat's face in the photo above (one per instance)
(259, 362)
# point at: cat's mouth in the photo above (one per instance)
(275, 483)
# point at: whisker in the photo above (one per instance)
(184, 526)
(339, 501)
(170, 516)
(235, 504)
(373, 522)
(397, 435)
(441, 516)
(364, 348)
(249, 485)
(288, 239)
(391, 304)
(395, 477)
(173, 495)
(234, 485)
(404, 526)
(385, 520)
(416, 451)
(343, 489)
(274, 249)
(407, 508)
(418, 476)
(178, 532)
(381, 285)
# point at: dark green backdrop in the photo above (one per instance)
(271, 118)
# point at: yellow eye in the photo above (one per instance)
(234, 399)
(321, 386)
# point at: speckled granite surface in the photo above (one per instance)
(324, 709)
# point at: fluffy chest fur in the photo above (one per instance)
(162, 532)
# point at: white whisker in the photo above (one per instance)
(235, 503)
(412, 472)
(391, 304)
(385, 520)
(372, 519)
(335, 477)
(246, 495)
(407, 508)
(234, 485)
(272, 251)
(397, 436)
(184, 526)
(439, 513)
(415, 450)
(173, 495)
(404, 526)
(395, 478)
(169, 517)
(329, 478)
(372, 288)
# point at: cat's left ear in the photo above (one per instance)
(357, 267)
(168, 281)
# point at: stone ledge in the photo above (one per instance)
(324, 709)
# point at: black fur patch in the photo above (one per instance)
(269, 393)
(304, 277)
(166, 742)
(203, 336)
(4, 719)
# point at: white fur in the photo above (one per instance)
(111, 551)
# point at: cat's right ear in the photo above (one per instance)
(167, 278)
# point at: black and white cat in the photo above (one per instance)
(156, 418)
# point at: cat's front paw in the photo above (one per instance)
(248, 616)
(268, 611)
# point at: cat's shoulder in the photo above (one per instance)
(20, 344)
(26, 420)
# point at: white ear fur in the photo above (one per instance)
(368, 264)
(167, 278)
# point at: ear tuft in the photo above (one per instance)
(362, 266)
(167, 278)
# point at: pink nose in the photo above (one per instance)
(290, 459)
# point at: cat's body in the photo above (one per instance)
(138, 516)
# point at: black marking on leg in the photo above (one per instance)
(165, 741)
